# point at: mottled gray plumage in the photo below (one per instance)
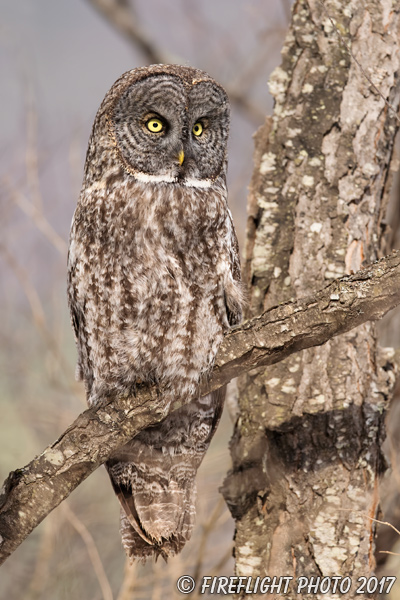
(154, 282)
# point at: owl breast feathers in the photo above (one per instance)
(154, 282)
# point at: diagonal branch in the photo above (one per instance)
(121, 16)
(29, 494)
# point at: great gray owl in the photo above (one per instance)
(154, 282)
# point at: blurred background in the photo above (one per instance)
(57, 61)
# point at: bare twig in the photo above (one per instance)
(121, 16)
(92, 551)
(36, 215)
(207, 529)
(384, 523)
(29, 290)
(29, 494)
(129, 582)
(38, 312)
(215, 571)
(31, 157)
(42, 565)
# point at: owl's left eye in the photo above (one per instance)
(155, 125)
(197, 129)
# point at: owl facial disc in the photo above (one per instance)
(172, 129)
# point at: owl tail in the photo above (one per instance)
(157, 522)
(154, 475)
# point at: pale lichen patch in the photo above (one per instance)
(104, 417)
(314, 161)
(289, 387)
(247, 549)
(247, 562)
(268, 161)
(278, 82)
(308, 180)
(316, 227)
(320, 399)
(324, 537)
(307, 88)
(327, 25)
(308, 38)
(347, 11)
(334, 271)
(369, 169)
(68, 452)
(293, 132)
(55, 457)
(270, 228)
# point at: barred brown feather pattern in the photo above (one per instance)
(153, 284)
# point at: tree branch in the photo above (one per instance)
(30, 493)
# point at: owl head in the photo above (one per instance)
(163, 123)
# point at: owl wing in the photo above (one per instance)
(76, 315)
(234, 295)
(77, 282)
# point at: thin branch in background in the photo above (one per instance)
(37, 217)
(92, 551)
(129, 582)
(29, 290)
(38, 313)
(394, 529)
(42, 566)
(31, 156)
(157, 581)
(122, 18)
(215, 571)
(208, 528)
(194, 14)
(222, 562)
(175, 569)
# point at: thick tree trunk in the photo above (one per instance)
(307, 446)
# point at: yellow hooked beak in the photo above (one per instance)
(181, 157)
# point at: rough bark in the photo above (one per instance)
(307, 446)
(30, 493)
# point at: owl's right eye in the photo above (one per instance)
(155, 125)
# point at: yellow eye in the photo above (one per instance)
(155, 125)
(197, 129)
